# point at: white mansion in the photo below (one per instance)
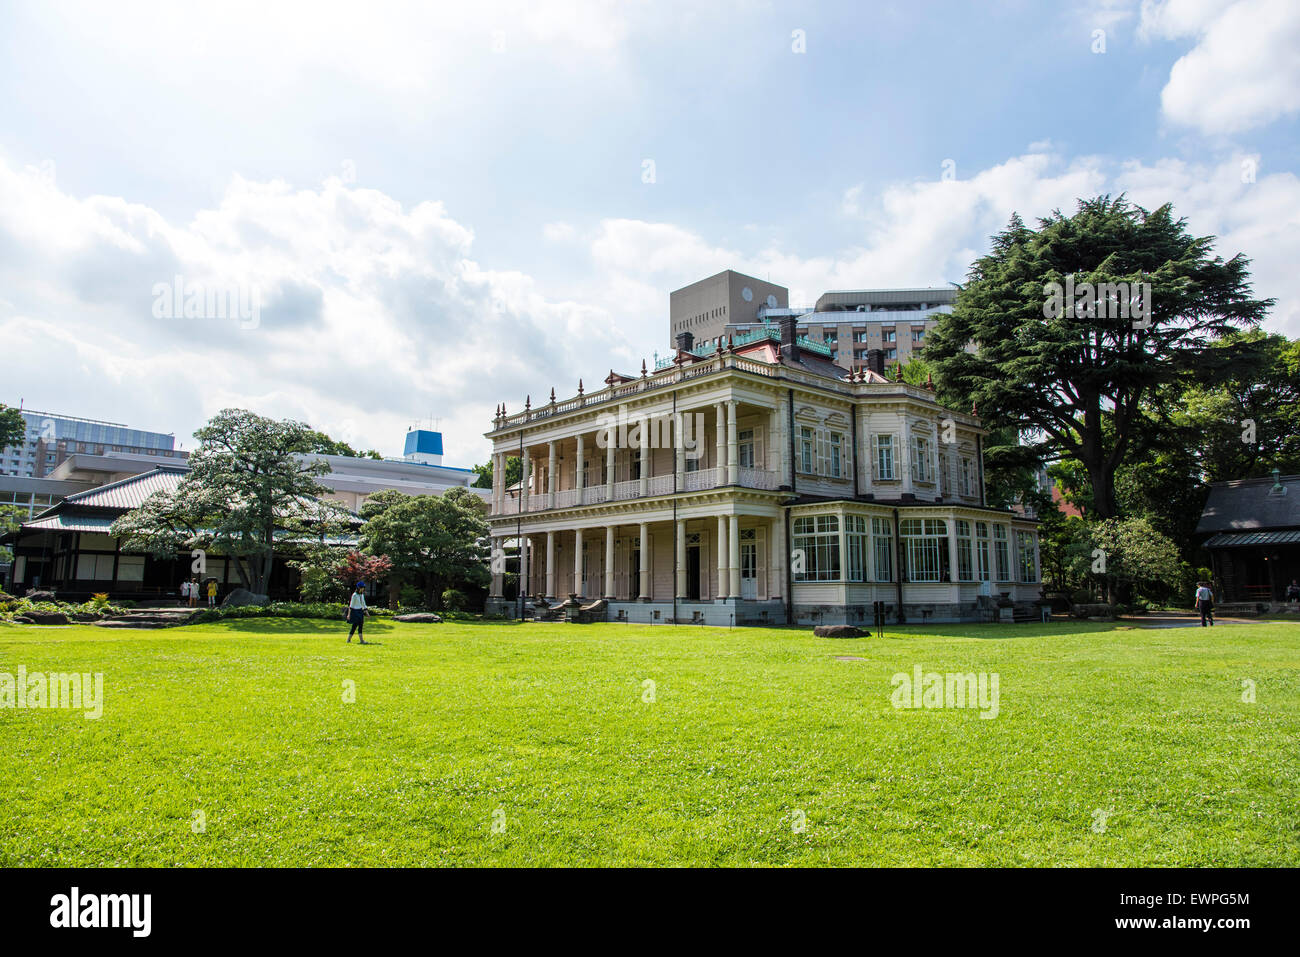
(750, 481)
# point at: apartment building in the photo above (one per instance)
(754, 480)
(51, 438)
(849, 322)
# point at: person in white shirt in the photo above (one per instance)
(357, 613)
(1205, 602)
(185, 591)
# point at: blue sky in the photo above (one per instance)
(443, 207)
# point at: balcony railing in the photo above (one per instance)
(699, 481)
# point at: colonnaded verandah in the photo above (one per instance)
(752, 480)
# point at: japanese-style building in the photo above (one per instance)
(1253, 537)
(68, 548)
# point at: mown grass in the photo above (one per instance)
(456, 726)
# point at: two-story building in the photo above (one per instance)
(752, 480)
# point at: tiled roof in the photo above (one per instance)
(1250, 504)
(1238, 539)
(128, 493)
(68, 523)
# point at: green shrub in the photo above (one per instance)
(453, 599)
(279, 609)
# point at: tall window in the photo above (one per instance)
(1028, 560)
(746, 439)
(1003, 553)
(967, 484)
(855, 530)
(944, 478)
(883, 537)
(982, 549)
(920, 458)
(817, 537)
(925, 548)
(807, 449)
(885, 457)
(837, 446)
(965, 565)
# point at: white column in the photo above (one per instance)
(733, 449)
(577, 561)
(644, 458)
(783, 440)
(867, 465)
(952, 549)
(609, 562)
(551, 477)
(497, 560)
(681, 558)
(550, 565)
(524, 478)
(720, 465)
(905, 456)
(776, 574)
(679, 447)
(609, 471)
(733, 547)
(577, 476)
(645, 558)
(723, 580)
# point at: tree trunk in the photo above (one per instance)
(1103, 492)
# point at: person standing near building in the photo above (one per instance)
(194, 592)
(357, 612)
(1205, 602)
(185, 592)
(212, 592)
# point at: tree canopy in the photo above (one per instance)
(13, 427)
(435, 540)
(248, 493)
(1075, 380)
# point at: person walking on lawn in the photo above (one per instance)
(357, 612)
(1205, 602)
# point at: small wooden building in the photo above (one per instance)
(1252, 532)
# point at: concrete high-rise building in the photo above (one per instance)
(51, 438)
(850, 323)
(708, 308)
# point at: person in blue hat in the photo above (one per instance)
(357, 612)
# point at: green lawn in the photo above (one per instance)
(457, 725)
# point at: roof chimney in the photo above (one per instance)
(789, 348)
(685, 340)
(876, 360)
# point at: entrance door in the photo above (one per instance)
(693, 571)
(634, 587)
(748, 565)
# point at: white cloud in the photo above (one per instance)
(373, 315)
(1244, 70)
(376, 314)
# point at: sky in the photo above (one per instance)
(428, 209)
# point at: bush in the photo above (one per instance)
(279, 609)
(411, 597)
(453, 599)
